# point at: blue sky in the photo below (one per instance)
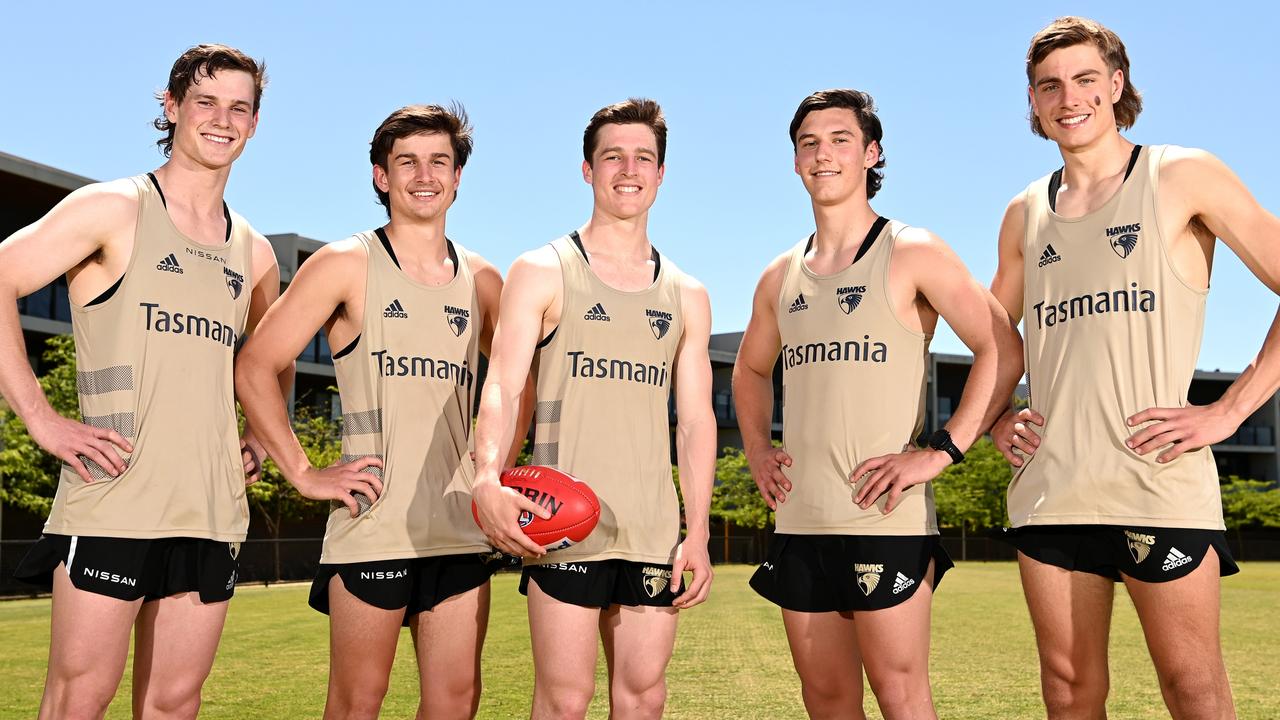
(77, 83)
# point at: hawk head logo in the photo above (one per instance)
(654, 584)
(1125, 244)
(457, 324)
(1139, 550)
(234, 547)
(868, 581)
(659, 326)
(849, 302)
(234, 286)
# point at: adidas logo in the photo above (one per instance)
(169, 263)
(799, 304)
(1049, 255)
(597, 313)
(902, 582)
(1175, 559)
(395, 310)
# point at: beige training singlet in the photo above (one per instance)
(1111, 329)
(853, 381)
(154, 363)
(604, 380)
(406, 389)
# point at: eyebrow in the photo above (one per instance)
(207, 96)
(802, 136)
(414, 156)
(1077, 76)
(619, 148)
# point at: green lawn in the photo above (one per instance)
(731, 657)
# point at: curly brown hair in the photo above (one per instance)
(205, 60)
(864, 109)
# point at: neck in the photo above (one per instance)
(418, 238)
(188, 184)
(617, 237)
(843, 226)
(1102, 159)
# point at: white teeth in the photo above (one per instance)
(217, 139)
(826, 173)
(628, 189)
(423, 194)
(1074, 120)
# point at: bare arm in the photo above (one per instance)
(266, 290)
(321, 285)
(983, 326)
(1196, 186)
(89, 222)
(529, 295)
(695, 444)
(489, 295)
(753, 388)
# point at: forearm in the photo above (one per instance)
(992, 379)
(1258, 382)
(500, 407)
(523, 418)
(18, 382)
(696, 458)
(753, 402)
(261, 393)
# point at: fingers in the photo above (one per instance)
(1027, 433)
(867, 466)
(872, 489)
(895, 494)
(117, 439)
(698, 589)
(104, 457)
(781, 457)
(677, 574)
(1027, 414)
(526, 504)
(1155, 413)
(74, 463)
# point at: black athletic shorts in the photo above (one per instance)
(412, 584)
(128, 568)
(1149, 554)
(601, 583)
(839, 573)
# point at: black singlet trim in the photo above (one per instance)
(1055, 180)
(547, 340)
(386, 244)
(226, 211)
(347, 350)
(654, 256)
(876, 228)
(106, 294)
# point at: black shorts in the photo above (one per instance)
(412, 584)
(129, 568)
(839, 573)
(601, 583)
(1149, 554)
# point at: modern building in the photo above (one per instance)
(28, 190)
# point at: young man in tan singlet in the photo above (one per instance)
(150, 510)
(611, 324)
(851, 310)
(1107, 261)
(408, 311)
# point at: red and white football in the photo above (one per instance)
(575, 510)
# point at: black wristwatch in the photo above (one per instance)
(941, 440)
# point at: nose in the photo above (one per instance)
(822, 151)
(222, 117)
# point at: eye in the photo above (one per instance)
(1086, 81)
(840, 140)
(808, 144)
(204, 103)
(439, 163)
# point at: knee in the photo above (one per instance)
(1191, 689)
(562, 701)
(829, 696)
(1074, 689)
(646, 701)
(77, 697)
(902, 694)
(361, 701)
(451, 697)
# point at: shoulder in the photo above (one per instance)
(918, 242)
(337, 259)
(536, 265)
(1179, 164)
(485, 274)
(104, 203)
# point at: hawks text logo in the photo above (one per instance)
(659, 322)
(1124, 238)
(655, 580)
(457, 319)
(849, 298)
(868, 576)
(235, 282)
(1139, 545)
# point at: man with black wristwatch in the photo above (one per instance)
(851, 309)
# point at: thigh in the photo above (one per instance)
(88, 644)
(362, 641)
(1180, 619)
(564, 638)
(638, 641)
(176, 639)
(1071, 614)
(448, 640)
(824, 649)
(895, 640)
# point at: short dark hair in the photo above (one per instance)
(639, 111)
(864, 109)
(1069, 31)
(413, 120)
(206, 60)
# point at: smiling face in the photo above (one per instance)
(1073, 94)
(832, 157)
(624, 172)
(215, 118)
(421, 178)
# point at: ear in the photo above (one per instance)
(1117, 85)
(380, 178)
(872, 154)
(795, 163)
(662, 170)
(170, 108)
(457, 176)
(586, 171)
(253, 127)
(1031, 99)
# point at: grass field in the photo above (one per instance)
(731, 658)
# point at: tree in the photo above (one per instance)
(971, 495)
(735, 498)
(28, 474)
(1249, 503)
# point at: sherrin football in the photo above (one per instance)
(575, 510)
